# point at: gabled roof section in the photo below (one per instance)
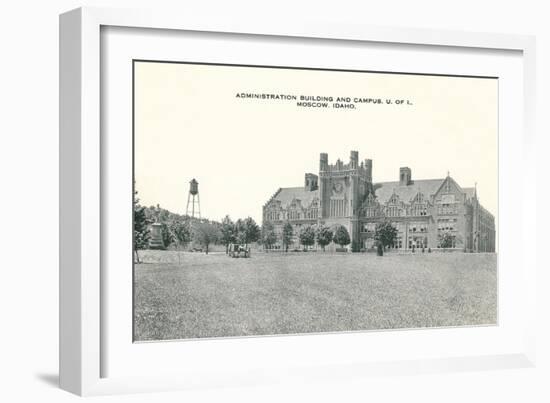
(370, 200)
(448, 181)
(273, 197)
(287, 195)
(406, 193)
(394, 198)
(420, 198)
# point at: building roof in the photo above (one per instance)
(427, 187)
(286, 195)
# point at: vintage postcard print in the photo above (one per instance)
(277, 200)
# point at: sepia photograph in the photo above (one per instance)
(273, 200)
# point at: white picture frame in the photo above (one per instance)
(82, 298)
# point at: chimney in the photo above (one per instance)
(368, 169)
(323, 162)
(311, 182)
(405, 176)
(354, 159)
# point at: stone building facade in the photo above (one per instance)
(421, 210)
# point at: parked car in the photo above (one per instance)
(239, 250)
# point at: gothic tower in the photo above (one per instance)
(342, 189)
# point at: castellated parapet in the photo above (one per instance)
(339, 168)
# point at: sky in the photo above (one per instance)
(190, 123)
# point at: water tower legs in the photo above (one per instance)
(193, 206)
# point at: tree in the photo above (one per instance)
(307, 236)
(228, 232)
(206, 234)
(181, 232)
(141, 228)
(341, 236)
(324, 236)
(247, 231)
(288, 233)
(269, 237)
(385, 233)
(162, 214)
(448, 239)
(167, 235)
(238, 231)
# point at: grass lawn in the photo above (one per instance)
(191, 295)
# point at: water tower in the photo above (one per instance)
(193, 200)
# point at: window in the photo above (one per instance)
(393, 211)
(446, 224)
(369, 227)
(370, 212)
(398, 243)
(419, 210)
(418, 227)
(448, 199)
(447, 209)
